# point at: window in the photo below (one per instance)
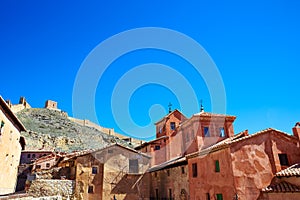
(33, 155)
(155, 174)
(283, 159)
(219, 197)
(94, 170)
(157, 147)
(156, 193)
(206, 132)
(47, 165)
(170, 193)
(133, 166)
(168, 172)
(172, 125)
(91, 189)
(207, 196)
(160, 130)
(222, 132)
(1, 126)
(194, 170)
(217, 166)
(38, 167)
(182, 170)
(28, 155)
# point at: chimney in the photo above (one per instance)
(296, 130)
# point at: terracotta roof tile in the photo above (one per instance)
(168, 115)
(236, 138)
(222, 144)
(213, 114)
(293, 170)
(282, 187)
(168, 163)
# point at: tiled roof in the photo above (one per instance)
(11, 116)
(213, 115)
(151, 142)
(293, 170)
(282, 187)
(220, 145)
(237, 138)
(86, 152)
(168, 115)
(167, 164)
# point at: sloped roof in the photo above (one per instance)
(220, 145)
(235, 139)
(11, 116)
(208, 114)
(150, 142)
(293, 170)
(169, 163)
(281, 187)
(86, 152)
(168, 115)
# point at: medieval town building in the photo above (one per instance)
(190, 159)
(285, 185)
(218, 163)
(112, 172)
(11, 144)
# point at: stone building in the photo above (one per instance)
(11, 145)
(242, 165)
(28, 156)
(51, 104)
(219, 164)
(23, 104)
(112, 172)
(177, 136)
(285, 185)
(169, 180)
(161, 149)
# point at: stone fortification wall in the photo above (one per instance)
(108, 131)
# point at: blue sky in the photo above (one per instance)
(254, 44)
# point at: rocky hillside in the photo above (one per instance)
(51, 129)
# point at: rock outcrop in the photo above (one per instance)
(51, 129)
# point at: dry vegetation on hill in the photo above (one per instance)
(51, 129)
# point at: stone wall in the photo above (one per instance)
(118, 181)
(108, 131)
(18, 107)
(51, 104)
(172, 181)
(26, 197)
(10, 152)
(43, 187)
(256, 160)
(280, 196)
(208, 180)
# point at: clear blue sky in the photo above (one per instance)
(255, 45)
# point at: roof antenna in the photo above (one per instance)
(170, 107)
(201, 107)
